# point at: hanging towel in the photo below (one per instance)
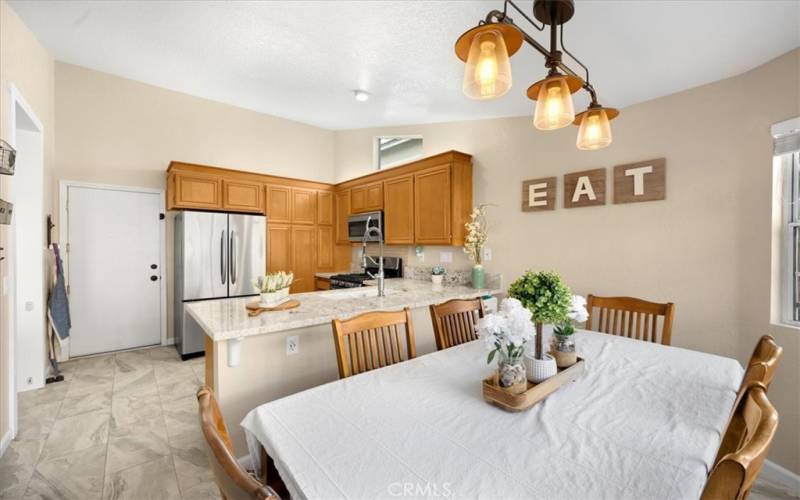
(58, 311)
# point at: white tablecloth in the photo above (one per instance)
(644, 422)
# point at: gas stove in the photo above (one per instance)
(392, 268)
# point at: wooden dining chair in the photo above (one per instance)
(234, 482)
(744, 447)
(454, 321)
(631, 317)
(373, 340)
(763, 362)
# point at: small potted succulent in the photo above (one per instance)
(274, 288)
(563, 344)
(437, 275)
(548, 301)
(505, 334)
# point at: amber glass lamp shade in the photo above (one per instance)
(554, 107)
(595, 130)
(487, 74)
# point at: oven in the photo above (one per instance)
(357, 226)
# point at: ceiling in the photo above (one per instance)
(302, 59)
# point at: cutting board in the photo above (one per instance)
(253, 309)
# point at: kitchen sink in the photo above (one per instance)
(357, 293)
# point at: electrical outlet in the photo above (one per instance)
(292, 345)
(445, 256)
(487, 254)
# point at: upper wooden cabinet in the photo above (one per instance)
(325, 245)
(325, 207)
(432, 216)
(366, 198)
(243, 196)
(279, 244)
(398, 210)
(190, 190)
(342, 213)
(279, 204)
(304, 206)
(303, 261)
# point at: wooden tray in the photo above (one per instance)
(253, 309)
(498, 396)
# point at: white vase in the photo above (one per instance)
(539, 370)
(272, 299)
(436, 279)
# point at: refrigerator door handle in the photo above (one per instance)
(232, 257)
(222, 268)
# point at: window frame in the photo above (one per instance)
(790, 234)
(376, 150)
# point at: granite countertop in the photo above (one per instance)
(225, 319)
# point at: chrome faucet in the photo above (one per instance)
(364, 257)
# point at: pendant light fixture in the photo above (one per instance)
(486, 50)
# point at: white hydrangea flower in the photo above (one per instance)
(577, 310)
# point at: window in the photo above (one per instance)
(396, 150)
(791, 169)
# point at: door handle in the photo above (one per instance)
(232, 257)
(222, 269)
(154, 278)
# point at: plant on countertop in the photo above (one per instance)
(547, 299)
(438, 271)
(273, 282)
(577, 314)
(477, 233)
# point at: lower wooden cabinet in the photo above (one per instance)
(303, 258)
(279, 245)
(325, 248)
(323, 283)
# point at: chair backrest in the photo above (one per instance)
(454, 321)
(748, 436)
(763, 362)
(631, 317)
(373, 340)
(233, 481)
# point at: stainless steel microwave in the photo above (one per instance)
(357, 226)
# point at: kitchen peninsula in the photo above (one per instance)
(265, 370)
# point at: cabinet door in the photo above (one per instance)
(398, 210)
(242, 196)
(278, 204)
(197, 191)
(303, 258)
(324, 207)
(432, 206)
(342, 213)
(358, 199)
(304, 206)
(324, 248)
(279, 244)
(375, 196)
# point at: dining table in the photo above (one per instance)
(643, 421)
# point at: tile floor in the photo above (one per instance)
(124, 426)
(121, 426)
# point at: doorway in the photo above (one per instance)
(113, 241)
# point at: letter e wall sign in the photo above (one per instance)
(585, 189)
(539, 194)
(641, 181)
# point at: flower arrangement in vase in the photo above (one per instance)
(505, 334)
(563, 345)
(547, 300)
(274, 288)
(477, 235)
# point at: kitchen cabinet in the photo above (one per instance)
(366, 198)
(432, 216)
(242, 196)
(304, 206)
(325, 207)
(342, 213)
(279, 245)
(303, 258)
(279, 204)
(398, 210)
(322, 283)
(196, 191)
(325, 243)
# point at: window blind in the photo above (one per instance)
(788, 143)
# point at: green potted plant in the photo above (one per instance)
(548, 299)
(437, 275)
(563, 346)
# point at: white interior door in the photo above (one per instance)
(113, 238)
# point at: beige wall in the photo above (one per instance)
(27, 65)
(707, 247)
(113, 130)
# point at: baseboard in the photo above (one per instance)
(5, 442)
(782, 475)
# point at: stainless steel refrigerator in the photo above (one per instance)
(217, 256)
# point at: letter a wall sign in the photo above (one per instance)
(633, 182)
